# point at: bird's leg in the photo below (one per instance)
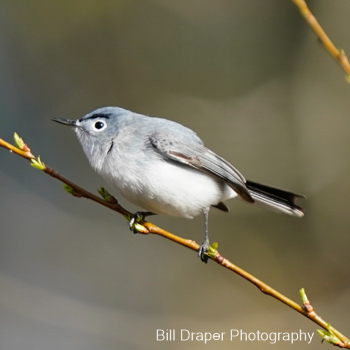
(204, 248)
(136, 218)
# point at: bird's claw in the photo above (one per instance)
(203, 251)
(134, 220)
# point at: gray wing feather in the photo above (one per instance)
(196, 155)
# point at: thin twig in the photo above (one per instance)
(25, 154)
(83, 193)
(339, 55)
(213, 253)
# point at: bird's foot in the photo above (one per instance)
(203, 251)
(134, 224)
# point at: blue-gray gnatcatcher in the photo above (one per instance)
(164, 167)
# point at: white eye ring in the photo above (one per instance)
(100, 125)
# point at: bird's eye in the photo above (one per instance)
(100, 125)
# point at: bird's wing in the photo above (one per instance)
(196, 155)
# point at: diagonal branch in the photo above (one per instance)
(147, 227)
(339, 55)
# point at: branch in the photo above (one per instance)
(339, 55)
(330, 334)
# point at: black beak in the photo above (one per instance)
(65, 121)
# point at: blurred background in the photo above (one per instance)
(251, 79)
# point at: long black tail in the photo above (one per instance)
(275, 198)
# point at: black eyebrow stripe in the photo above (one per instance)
(96, 116)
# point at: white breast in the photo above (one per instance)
(164, 187)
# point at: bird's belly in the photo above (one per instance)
(170, 189)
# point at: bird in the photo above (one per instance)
(165, 168)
